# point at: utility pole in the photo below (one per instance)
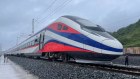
(17, 40)
(33, 26)
(0, 48)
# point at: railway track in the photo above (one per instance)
(105, 67)
(114, 68)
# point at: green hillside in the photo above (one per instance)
(129, 36)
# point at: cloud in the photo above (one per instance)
(76, 2)
(16, 15)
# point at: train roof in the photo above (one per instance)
(67, 16)
(81, 21)
(73, 18)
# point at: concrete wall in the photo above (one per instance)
(132, 50)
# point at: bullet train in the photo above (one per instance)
(71, 38)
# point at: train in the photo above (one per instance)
(70, 38)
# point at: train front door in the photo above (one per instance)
(41, 40)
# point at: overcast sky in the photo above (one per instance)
(16, 15)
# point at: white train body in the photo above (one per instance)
(77, 37)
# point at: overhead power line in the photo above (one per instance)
(47, 9)
(33, 26)
(55, 10)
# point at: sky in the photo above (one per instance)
(16, 15)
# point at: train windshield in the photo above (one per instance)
(93, 28)
(89, 25)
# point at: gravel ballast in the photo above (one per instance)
(55, 70)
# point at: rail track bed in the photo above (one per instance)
(130, 70)
(59, 70)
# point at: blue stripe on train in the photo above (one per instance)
(85, 40)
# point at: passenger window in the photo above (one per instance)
(24, 45)
(36, 40)
(59, 27)
(65, 28)
(32, 42)
(28, 43)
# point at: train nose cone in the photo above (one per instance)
(112, 47)
(113, 43)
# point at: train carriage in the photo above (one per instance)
(71, 37)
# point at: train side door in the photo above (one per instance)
(41, 40)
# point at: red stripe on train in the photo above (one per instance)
(56, 47)
(54, 26)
